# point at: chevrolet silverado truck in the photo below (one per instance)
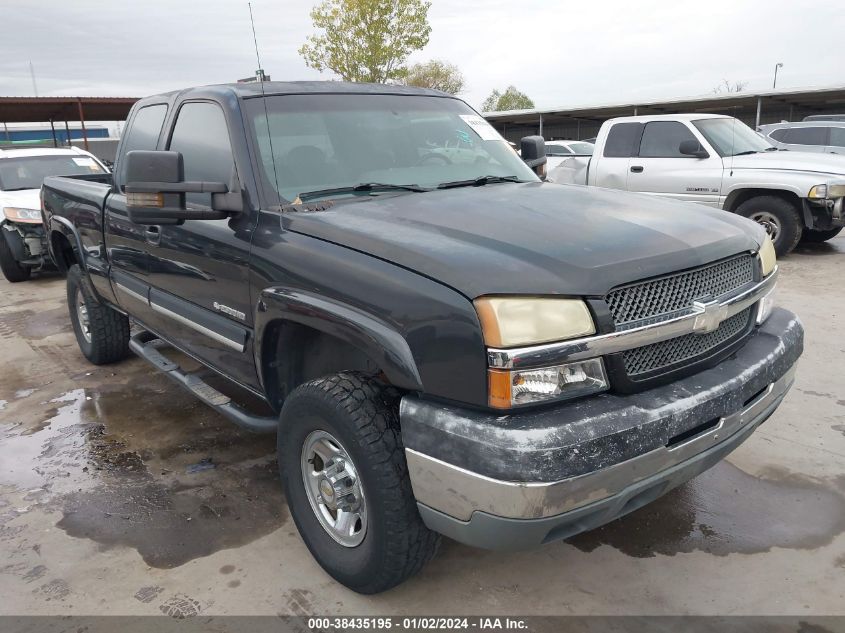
(453, 348)
(23, 247)
(718, 161)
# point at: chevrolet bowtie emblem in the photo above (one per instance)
(708, 316)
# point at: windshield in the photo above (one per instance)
(28, 172)
(331, 141)
(731, 137)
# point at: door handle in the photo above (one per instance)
(637, 169)
(153, 235)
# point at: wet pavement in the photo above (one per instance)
(122, 494)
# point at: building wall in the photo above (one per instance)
(18, 134)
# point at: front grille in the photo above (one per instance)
(674, 293)
(686, 348)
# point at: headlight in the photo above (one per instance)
(819, 192)
(767, 256)
(764, 308)
(516, 321)
(17, 214)
(511, 388)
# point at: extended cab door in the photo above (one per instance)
(126, 242)
(611, 168)
(199, 270)
(659, 168)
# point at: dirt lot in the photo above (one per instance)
(120, 494)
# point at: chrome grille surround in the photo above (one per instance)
(673, 294)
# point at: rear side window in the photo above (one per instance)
(661, 139)
(202, 137)
(143, 132)
(837, 136)
(622, 139)
(806, 136)
(778, 135)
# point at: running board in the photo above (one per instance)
(144, 345)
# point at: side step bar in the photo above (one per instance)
(144, 345)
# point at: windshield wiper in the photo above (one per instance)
(478, 182)
(360, 187)
(747, 152)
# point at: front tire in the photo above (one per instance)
(779, 217)
(817, 237)
(102, 333)
(343, 468)
(12, 270)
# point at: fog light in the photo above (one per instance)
(511, 388)
(765, 306)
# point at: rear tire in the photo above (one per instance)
(102, 333)
(779, 217)
(358, 419)
(816, 237)
(12, 270)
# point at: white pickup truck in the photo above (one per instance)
(721, 162)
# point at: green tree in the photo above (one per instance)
(366, 40)
(436, 74)
(510, 99)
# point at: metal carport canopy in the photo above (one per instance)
(44, 109)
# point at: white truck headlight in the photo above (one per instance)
(515, 387)
(19, 214)
(521, 321)
(819, 192)
(767, 256)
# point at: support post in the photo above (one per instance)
(541, 125)
(759, 108)
(6, 130)
(67, 132)
(82, 121)
(53, 130)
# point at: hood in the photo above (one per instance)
(531, 238)
(792, 161)
(25, 198)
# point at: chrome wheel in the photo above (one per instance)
(82, 317)
(334, 488)
(769, 221)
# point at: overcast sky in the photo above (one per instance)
(559, 52)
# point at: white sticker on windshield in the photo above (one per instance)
(486, 131)
(85, 162)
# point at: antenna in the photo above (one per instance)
(260, 76)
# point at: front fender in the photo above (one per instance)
(377, 339)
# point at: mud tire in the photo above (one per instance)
(108, 330)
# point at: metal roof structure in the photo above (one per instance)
(754, 108)
(63, 109)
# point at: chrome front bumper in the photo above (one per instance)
(488, 486)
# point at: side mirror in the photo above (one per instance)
(533, 152)
(693, 148)
(155, 190)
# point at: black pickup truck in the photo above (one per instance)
(448, 344)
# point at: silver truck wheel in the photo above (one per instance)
(82, 315)
(334, 488)
(778, 216)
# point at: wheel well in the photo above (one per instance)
(736, 198)
(63, 253)
(293, 354)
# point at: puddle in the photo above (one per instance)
(726, 511)
(119, 463)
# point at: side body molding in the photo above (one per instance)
(373, 336)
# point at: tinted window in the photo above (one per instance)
(556, 150)
(779, 135)
(143, 132)
(201, 135)
(837, 136)
(806, 136)
(662, 138)
(621, 140)
(28, 172)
